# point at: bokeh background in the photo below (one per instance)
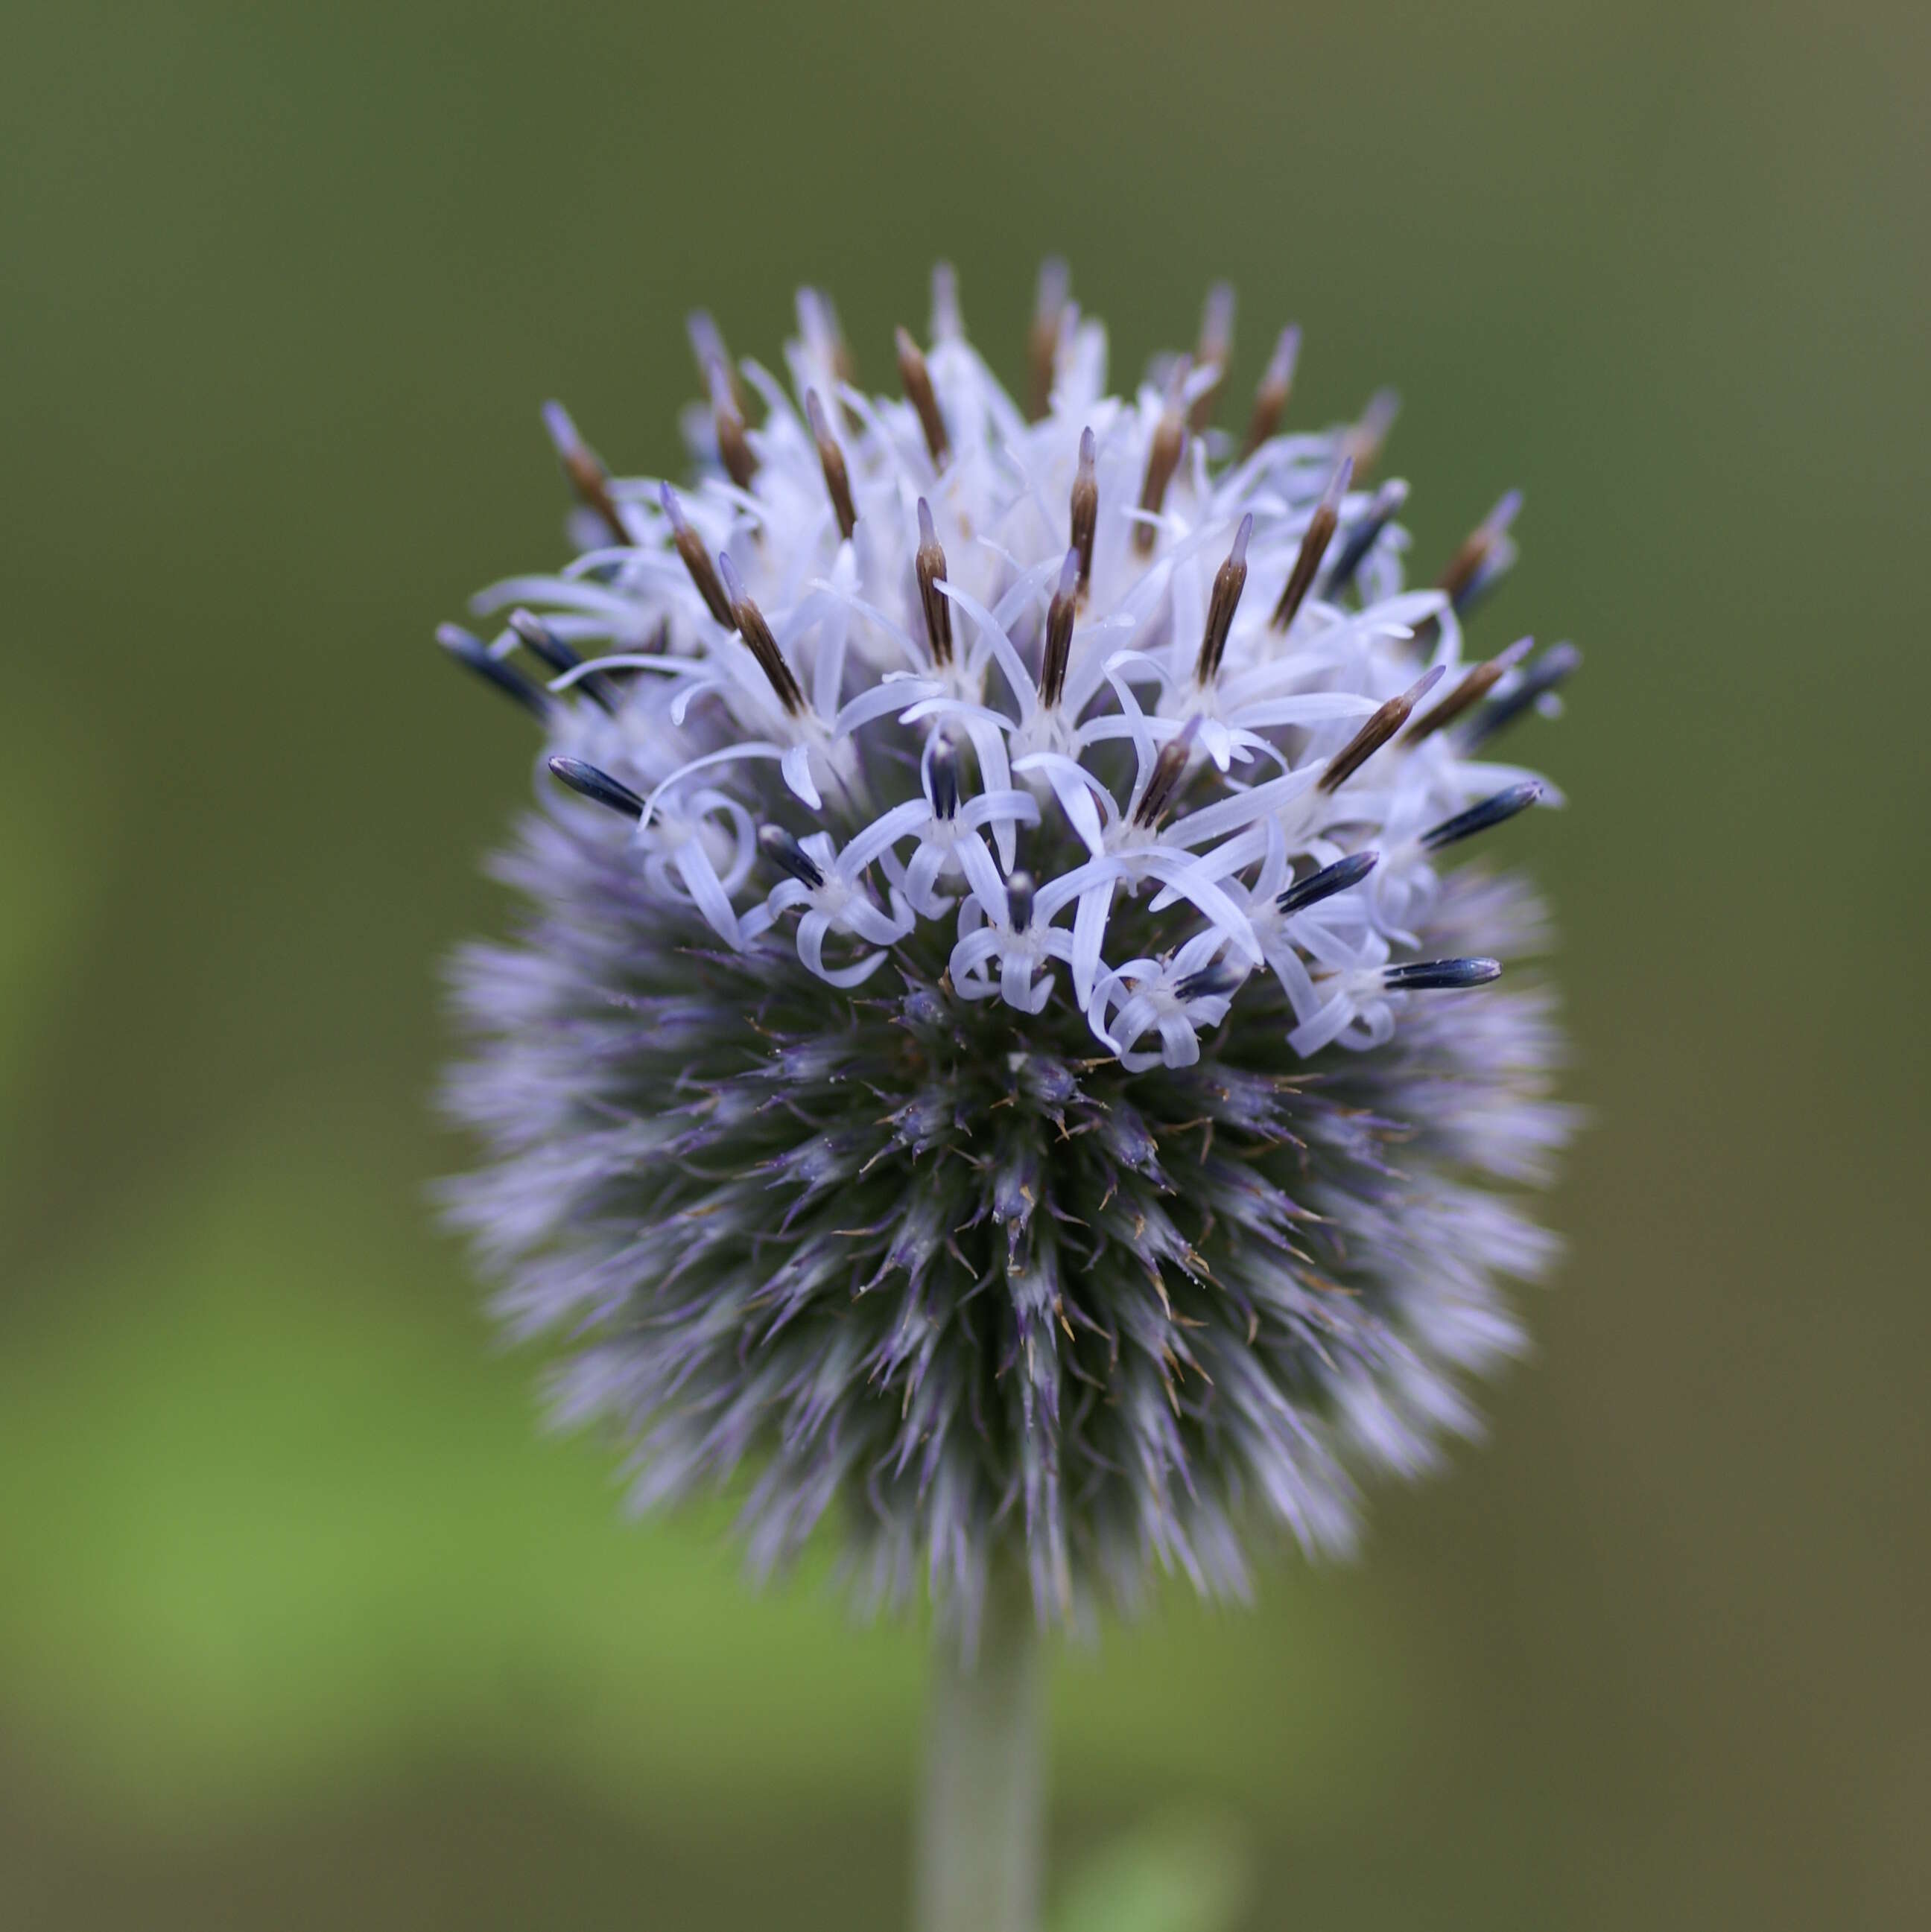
(301, 1624)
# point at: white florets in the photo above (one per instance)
(863, 579)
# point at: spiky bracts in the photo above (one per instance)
(851, 1173)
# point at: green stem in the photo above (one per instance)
(982, 1815)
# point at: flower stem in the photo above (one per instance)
(982, 1816)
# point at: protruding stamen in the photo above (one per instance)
(1378, 731)
(1348, 560)
(1417, 975)
(1364, 442)
(1230, 581)
(844, 363)
(1215, 349)
(706, 342)
(1492, 811)
(942, 779)
(598, 787)
(588, 477)
(946, 324)
(1320, 532)
(1480, 559)
(1163, 456)
(1085, 520)
(1465, 566)
(1328, 881)
(472, 654)
(1163, 781)
(1277, 383)
(782, 849)
(1042, 342)
(751, 626)
(727, 416)
(917, 380)
(541, 642)
(1476, 685)
(696, 559)
(1019, 900)
(1540, 679)
(1057, 651)
(929, 564)
(831, 459)
(824, 337)
(1210, 982)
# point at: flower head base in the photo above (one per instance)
(995, 1056)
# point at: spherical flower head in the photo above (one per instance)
(1000, 1058)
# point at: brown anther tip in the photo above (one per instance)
(1217, 321)
(929, 566)
(587, 476)
(1335, 493)
(1364, 440)
(1216, 348)
(1377, 732)
(1230, 581)
(1163, 781)
(733, 450)
(749, 621)
(1476, 547)
(1163, 457)
(823, 338)
(1042, 345)
(1314, 542)
(1467, 564)
(1480, 680)
(696, 560)
(844, 364)
(706, 342)
(1276, 384)
(831, 460)
(916, 378)
(1055, 653)
(1085, 509)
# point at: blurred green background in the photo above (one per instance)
(301, 1623)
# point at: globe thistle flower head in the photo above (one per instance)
(1000, 1056)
